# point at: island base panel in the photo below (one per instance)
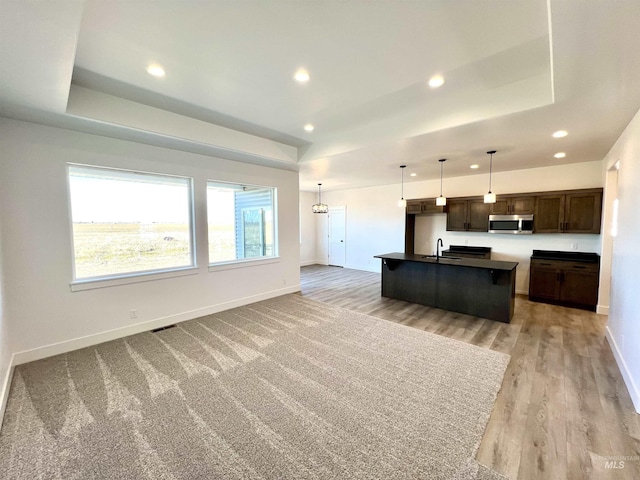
(484, 293)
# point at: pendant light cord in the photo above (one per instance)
(490, 152)
(441, 165)
(490, 169)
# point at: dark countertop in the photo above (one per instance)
(566, 256)
(468, 250)
(460, 262)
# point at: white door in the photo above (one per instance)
(337, 244)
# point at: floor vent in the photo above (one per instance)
(155, 330)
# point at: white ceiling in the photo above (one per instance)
(515, 71)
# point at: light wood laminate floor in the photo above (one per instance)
(563, 411)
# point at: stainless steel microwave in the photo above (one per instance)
(514, 224)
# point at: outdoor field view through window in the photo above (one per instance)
(129, 222)
(241, 222)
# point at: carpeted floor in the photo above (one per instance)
(283, 389)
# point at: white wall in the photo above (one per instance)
(308, 250)
(623, 331)
(44, 317)
(610, 194)
(375, 224)
(5, 354)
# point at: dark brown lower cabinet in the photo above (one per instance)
(569, 283)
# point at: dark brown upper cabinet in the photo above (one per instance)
(575, 211)
(467, 215)
(414, 207)
(424, 206)
(508, 205)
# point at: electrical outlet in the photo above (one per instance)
(574, 246)
(133, 314)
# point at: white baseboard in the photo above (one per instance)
(602, 309)
(522, 292)
(6, 377)
(624, 370)
(94, 339)
(308, 262)
(375, 268)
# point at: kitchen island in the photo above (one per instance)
(482, 288)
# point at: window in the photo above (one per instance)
(127, 223)
(241, 222)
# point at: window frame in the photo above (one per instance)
(246, 262)
(100, 281)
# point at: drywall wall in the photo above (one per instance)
(308, 251)
(608, 214)
(44, 315)
(375, 224)
(84, 102)
(623, 330)
(5, 355)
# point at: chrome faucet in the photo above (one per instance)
(438, 245)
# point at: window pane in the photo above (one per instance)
(241, 222)
(129, 222)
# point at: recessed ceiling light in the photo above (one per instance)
(474, 166)
(302, 76)
(414, 174)
(560, 134)
(560, 155)
(308, 127)
(156, 70)
(436, 81)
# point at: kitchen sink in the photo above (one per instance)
(441, 257)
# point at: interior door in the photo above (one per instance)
(337, 240)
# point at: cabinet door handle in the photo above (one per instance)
(558, 276)
(566, 226)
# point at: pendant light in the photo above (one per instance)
(402, 203)
(441, 201)
(320, 207)
(490, 197)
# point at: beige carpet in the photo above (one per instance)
(283, 389)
